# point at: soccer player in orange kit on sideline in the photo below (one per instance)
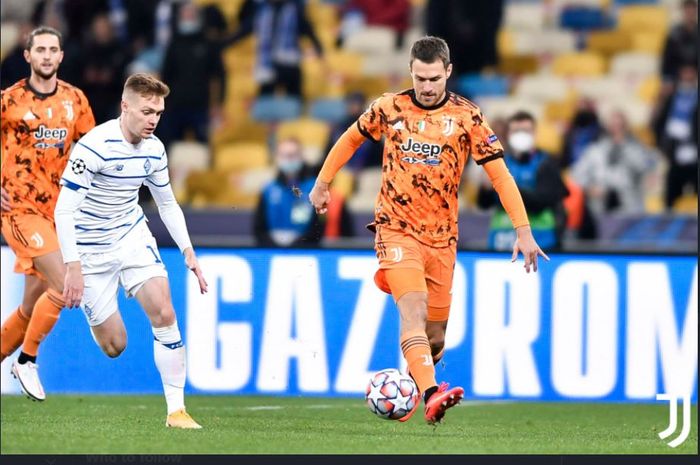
(41, 117)
(429, 135)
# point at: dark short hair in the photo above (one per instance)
(146, 85)
(429, 49)
(41, 30)
(522, 115)
(690, 3)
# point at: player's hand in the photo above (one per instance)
(5, 203)
(526, 244)
(73, 285)
(320, 197)
(193, 264)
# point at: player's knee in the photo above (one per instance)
(165, 316)
(114, 349)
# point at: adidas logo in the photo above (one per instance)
(28, 116)
(398, 126)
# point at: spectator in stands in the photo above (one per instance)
(390, 13)
(194, 70)
(583, 130)
(470, 28)
(14, 66)
(369, 154)
(103, 61)
(278, 26)
(676, 128)
(540, 183)
(283, 217)
(612, 171)
(681, 44)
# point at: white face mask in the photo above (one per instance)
(521, 142)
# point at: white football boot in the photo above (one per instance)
(28, 376)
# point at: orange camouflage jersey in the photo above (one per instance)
(425, 151)
(37, 133)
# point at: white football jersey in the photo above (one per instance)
(111, 170)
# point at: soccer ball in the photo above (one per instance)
(391, 395)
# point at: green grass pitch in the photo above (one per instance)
(291, 425)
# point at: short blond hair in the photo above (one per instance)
(146, 85)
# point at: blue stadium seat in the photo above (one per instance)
(332, 110)
(635, 2)
(584, 18)
(476, 85)
(272, 109)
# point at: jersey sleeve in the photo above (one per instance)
(370, 122)
(485, 145)
(85, 119)
(84, 162)
(160, 177)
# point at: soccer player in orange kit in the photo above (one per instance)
(41, 117)
(429, 135)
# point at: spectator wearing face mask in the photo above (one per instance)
(539, 181)
(284, 217)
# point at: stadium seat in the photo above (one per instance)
(638, 113)
(329, 110)
(474, 85)
(648, 18)
(583, 18)
(240, 156)
(505, 107)
(369, 182)
(649, 88)
(601, 88)
(549, 137)
(649, 42)
(552, 40)
(183, 158)
(312, 133)
(385, 64)
(634, 65)
(372, 40)
(579, 64)
(274, 109)
(240, 130)
(608, 43)
(542, 87)
(524, 16)
(9, 36)
(517, 64)
(348, 64)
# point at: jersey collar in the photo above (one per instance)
(41, 95)
(415, 101)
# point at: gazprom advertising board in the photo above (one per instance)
(584, 327)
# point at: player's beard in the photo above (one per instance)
(44, 75)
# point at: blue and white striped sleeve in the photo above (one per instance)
(84, 162)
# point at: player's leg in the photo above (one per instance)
(436, 335)
(15, 326)
(110, 335)
(168, 349)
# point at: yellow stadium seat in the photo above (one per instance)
(348, 64)
(634, 18)
(579, 64)
(651, 42)
(649, 88)
(608, 43)
(549, 137)
(505, 43)
(562, 110)
(520, 64)
(686, 204)
(240, 155)
(344, 183)
(312, 133)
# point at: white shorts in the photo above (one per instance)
(136, 261)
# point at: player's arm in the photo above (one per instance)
(488, 153)
(75, 182)
(366, 127)
(173, 218)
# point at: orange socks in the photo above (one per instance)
(416, 351)
(12, 333)
(46, 311)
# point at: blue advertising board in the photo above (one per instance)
(312, 323)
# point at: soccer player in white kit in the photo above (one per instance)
(105, 241)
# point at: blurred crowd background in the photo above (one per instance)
(261, 89)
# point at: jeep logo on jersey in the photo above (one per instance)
(431, 151)
(42, 132)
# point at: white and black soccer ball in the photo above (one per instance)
(391, 395)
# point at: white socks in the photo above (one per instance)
(169, 355)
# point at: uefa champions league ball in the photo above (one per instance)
(391, 395)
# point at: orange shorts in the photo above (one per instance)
(29, 236)
(415, 267)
